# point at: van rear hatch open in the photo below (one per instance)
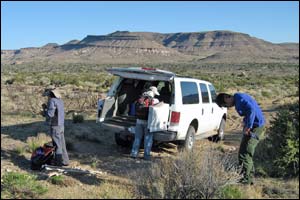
(109, 114)
(149, 74)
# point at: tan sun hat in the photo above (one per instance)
(55, 92)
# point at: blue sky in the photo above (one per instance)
(34, 24)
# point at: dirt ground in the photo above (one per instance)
(92, 147)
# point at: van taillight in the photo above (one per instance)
(175, 117)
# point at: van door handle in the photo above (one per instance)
(212, 110)
(202, 111)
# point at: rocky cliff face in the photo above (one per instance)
(146, 47)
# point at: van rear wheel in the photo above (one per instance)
(189, 141)
(121, 141)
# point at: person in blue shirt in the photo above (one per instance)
(253, 130)
(54, 113)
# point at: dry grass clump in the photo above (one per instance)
(39, 140)
(62, 180)
(20, 149)
(15, 185)
(114, 190)
(190, 175)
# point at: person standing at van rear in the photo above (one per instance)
(253, 131)
(54, 112)
(141, 129)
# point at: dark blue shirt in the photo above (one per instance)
(56, 112)
(246, 106)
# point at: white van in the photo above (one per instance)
(187, 110)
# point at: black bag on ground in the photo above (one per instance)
(42, 155)
(142, 107)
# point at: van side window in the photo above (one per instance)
(204, 93)
(212, 93)
(189, 93)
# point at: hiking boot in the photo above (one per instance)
(58, 160)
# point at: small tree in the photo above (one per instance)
(281, 147)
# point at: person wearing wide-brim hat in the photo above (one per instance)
(55, 92)
(141, 128)
(54, 111)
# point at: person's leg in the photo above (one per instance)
(56, 138)
(246, 152)
(148, 140)
(137, 140)
(65, 157)
(259, 132)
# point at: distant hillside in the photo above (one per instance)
(147, 47)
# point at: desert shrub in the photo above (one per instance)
(20, 150)
(261, 171)
(35, 142)
(61, 180)
(94, 162)
(77, 118)
(188, 176)
(20, 78)
(279, 152)
(111, 190)
(44, 81)
(285, 134)
(266, 94)
(57, 180)
(230, 192)
(20, 186)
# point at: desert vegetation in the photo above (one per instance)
(210, 172)
(202, 174)
(20, 186)
(279, 152)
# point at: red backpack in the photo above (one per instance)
(42, 155)
(142, 107)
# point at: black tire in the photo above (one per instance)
(220, 136)
(188, 143)
(122, 142)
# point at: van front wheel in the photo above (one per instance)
(220, 136)
(189, 141)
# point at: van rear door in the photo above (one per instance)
(109, 109)
(148, 74)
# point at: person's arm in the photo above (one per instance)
(249, 116)
(51, 108)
